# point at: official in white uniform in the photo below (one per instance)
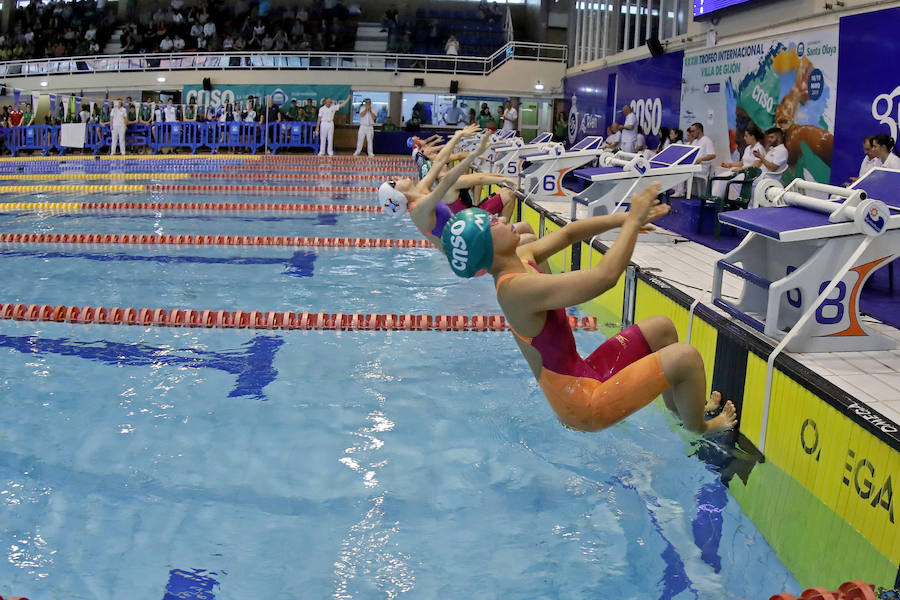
(753, 140)
(883, 145)
(510, 117)
(628, 130)
(325, 125)
(774, 162)
(366, 127)
(869, 161)
(117, 121)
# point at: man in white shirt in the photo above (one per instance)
(628, 129)
(366, 127)
(613, 137)
(870, 161)
(117, 123)
(705, 156)
(325, 125)
(775, 160)
(510, 117)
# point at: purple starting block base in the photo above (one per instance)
(683, 217)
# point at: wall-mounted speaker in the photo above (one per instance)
(207, 84)
(454, 86)
(419, 82)
(655, 46)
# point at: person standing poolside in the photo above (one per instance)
(627, 371)
(325, 125)
(629, 130)
(366, 131)
(118, 118)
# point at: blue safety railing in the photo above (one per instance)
(44, 138)
(182, 134)
(233, 135)
(292, 134)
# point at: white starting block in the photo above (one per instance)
(622, 174)
(501, 135)
(542, 178)
(504, 159)
(799, 246)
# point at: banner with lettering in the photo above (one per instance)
(868, 99)
(221, 95)
(651, 86)
(788, 82)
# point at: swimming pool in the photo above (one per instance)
(141, 461)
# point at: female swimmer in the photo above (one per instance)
(626, 372)
(428, 208)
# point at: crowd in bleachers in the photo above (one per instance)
(58, 29)
(81, 28)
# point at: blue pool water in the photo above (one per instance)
(151, 462)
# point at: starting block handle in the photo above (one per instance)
(834, 190)
(620, 159)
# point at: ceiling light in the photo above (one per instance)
(44, 84)
(539, 86)
(161, 79)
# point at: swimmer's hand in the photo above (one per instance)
(485, 142)
(510, 183)
(467, 131)
(645, 207)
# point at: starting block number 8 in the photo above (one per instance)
(831, 310)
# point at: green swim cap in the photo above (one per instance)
(468, 243)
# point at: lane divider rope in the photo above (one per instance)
(186, 206)
(37, 176)
(177, 317)
(131, 239)
(196, 189)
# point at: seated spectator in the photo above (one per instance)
(240, 44)
(196, 30)
(640, 142)
(451, 48)
(613, 136)
(664, 140)
(178, 44)
(209, 29)
(228, 43)
(752, 139)
(94, 47)
(267, 42)
(201, 43)
(389, 125)
(281, 40)
(166, 44)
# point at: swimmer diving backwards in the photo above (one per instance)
(627, 371)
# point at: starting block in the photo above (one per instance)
(622, 174)
(504, 159)
(799, 245)
(542, 178)
(501, 135)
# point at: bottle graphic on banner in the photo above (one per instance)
(573, 120)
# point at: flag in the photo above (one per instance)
(16, 94)
(52, 103)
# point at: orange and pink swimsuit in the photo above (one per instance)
(619, 378)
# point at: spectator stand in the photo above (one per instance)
(477, 36)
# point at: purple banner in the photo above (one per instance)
(868, 98)
(651, 86)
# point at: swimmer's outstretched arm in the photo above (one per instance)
(467, 181)
(426, 182)
(548, 292)
(422, 212)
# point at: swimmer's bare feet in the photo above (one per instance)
(724, 421)
(714, 402)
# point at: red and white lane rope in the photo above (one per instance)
(225, 207)
(177, 317)
(131, 239)
(255, 189)
(287, 176)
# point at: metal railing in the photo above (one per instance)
(295, 61)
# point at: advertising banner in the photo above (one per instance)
(221, 95)
(788, 82)
(868, 99)
(651, 86)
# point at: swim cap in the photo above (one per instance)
(392, 201)
(468, 243)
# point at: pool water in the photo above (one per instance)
(150, 462)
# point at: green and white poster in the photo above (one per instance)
(221, 95)
(788, 82)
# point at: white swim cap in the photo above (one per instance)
(392, 201)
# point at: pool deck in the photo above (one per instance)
(873, 378)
